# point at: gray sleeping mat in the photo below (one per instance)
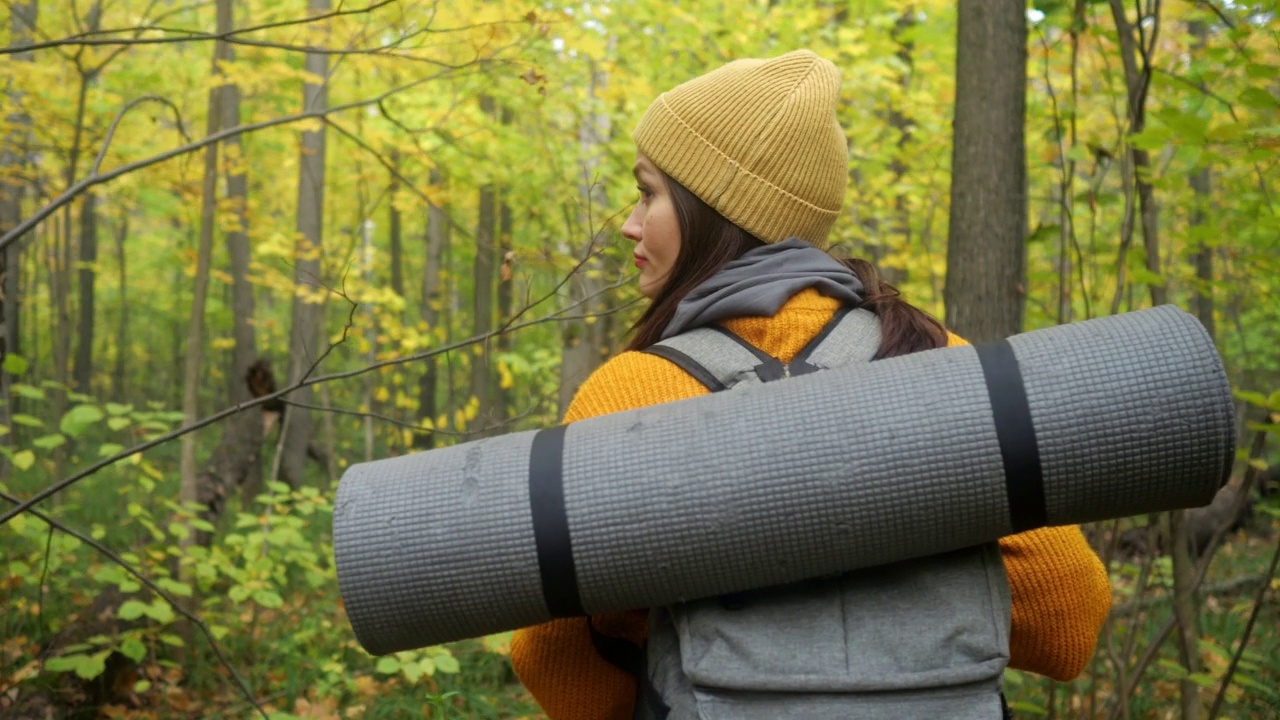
(779, 482)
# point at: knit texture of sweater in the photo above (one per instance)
(1059, 588)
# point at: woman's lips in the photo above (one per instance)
(640, 262)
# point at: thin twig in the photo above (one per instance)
(75, 190)
(1258, 602)
(177, 606)
(50, 490)
(111, 131)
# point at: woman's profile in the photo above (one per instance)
(741, 176)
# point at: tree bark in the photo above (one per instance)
(430, 308)
(900, 121)
(986, 252)
(83, 376)
(1201, 186)
(482, 290)
(581, 339)
(1137, 81)
(503, 397)
(122, 329)
(188, 492)
(397, 250)
(13, 161)
(305, 334)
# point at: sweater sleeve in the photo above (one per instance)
(556, 661)
(1061, 595)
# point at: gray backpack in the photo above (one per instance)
(925, 638)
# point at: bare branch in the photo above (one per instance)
(173, 603)
(50, 490)
(97, 179)
(89, 38)
(111, 132)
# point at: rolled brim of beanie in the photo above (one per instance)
(775, 483)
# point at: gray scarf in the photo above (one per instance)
(761, 281)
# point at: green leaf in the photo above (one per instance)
(268, 598)
(131, 610)
(160, 611)
(141, 686)
(80, 418)
(239, 593)
(15, 364)
(133, 649)
(388, 665)
(174, 587)
(28, 420)
(447, 664)
(109, 449)
(28, 391)
(49, 442)
(118, 423)
(172, 640)
(1258, 99)
(91, 666)
(118, 409)
(24, 459)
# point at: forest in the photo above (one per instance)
(247, 244)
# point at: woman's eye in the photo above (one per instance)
(644, 192)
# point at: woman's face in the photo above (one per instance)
(653, 227)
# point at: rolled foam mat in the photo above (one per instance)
(775, 483)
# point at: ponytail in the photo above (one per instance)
(904, 328)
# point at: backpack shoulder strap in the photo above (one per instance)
(851, 336)
(715, 357)
(719, 359)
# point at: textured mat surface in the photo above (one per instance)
(774, 483)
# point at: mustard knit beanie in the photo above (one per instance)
(757, 140)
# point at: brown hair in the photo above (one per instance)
(708, 242)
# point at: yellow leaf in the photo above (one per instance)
(381, 394)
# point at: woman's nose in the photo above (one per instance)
(631, 228)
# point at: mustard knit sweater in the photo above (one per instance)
(1059, 587)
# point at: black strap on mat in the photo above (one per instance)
(551, 524)
(1023, 475)
(688, 364)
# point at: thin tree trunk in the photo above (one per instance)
(581, 339)
(986, 248)
(1067, 221)
(1184, 608)
(430, 309)
(397, 251)
(305, 336)
(236, 461)
(900, 121)
(482, 289)
(503, 396)
(1200, 185)
(1137, 81)
(83, 376)
(13, 162)
(188, 493)
(122, 329)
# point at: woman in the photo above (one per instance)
(742, 174)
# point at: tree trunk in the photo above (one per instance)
(236, 461)
(188, 492)
(13, 161)
(503, 396)
(581, 339)
(900, 121)
(83, 376)
(122, 329)
(986, 253)
(482, 291)
(397, 251)
(1137, 81)
(1200, 185)
(1184, 608)
(430, 308)
(305, 334)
